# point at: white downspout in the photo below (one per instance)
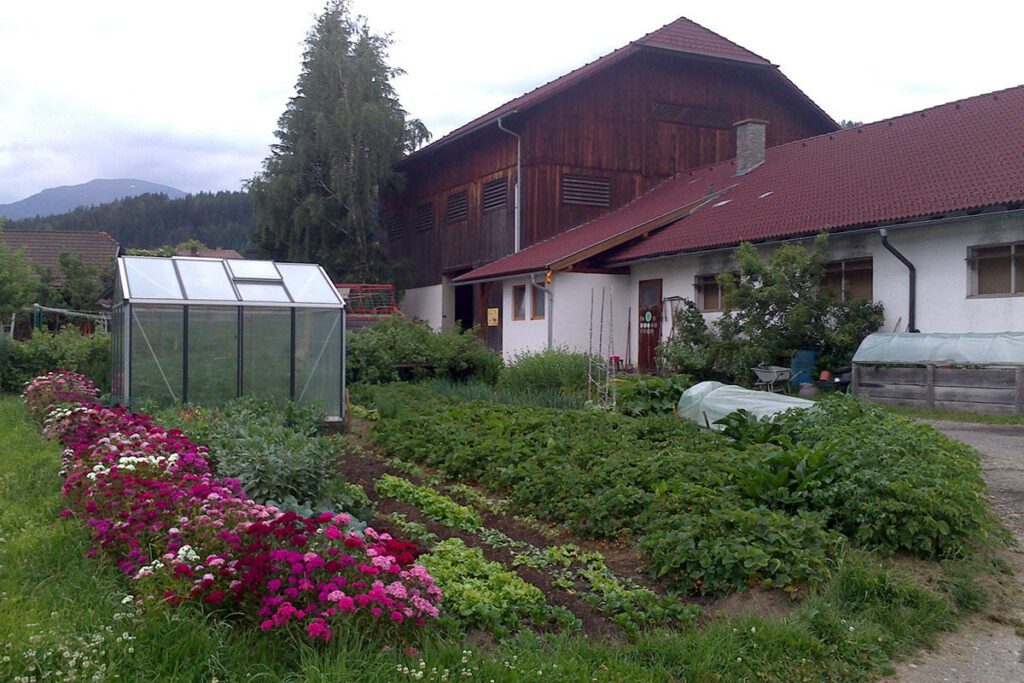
(519, 172)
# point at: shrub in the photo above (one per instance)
(648, 395)
(554, 369)
(396, 349)
(68, 349)
(773, 307)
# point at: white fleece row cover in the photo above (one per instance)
(707, 402)
(939, 348)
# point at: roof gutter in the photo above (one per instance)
(804, 236)
(519, 175)
(912, 274)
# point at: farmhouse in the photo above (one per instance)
(924, 209)
(571, 151)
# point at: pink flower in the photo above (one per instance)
(319, 629)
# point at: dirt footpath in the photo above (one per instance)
(983, 651)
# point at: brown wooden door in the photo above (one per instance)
(649, 325)
(490, 300)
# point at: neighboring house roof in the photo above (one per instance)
(44, 247)
(954, 157)
(211, 253)
(682, 36)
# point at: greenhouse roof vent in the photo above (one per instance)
(224, 282)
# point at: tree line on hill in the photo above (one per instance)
(149, 221)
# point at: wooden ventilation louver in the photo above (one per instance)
(424, 216)
(395, 227)
(586, 190)
(495, 195)
(457, 207)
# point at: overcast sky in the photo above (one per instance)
(188, 93)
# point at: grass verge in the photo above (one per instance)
(949, 416)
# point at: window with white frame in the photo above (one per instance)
(537, 295)
(519, 302)
(996, 269)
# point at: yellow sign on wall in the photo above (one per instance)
(492, 317)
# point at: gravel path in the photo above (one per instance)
(983, 651)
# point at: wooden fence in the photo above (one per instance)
(985, 390)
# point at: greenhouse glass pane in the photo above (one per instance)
(253, 270)
(252, 291)
(306, 284)
(151, 278)
(156, 354)
(205, 280)
(212, 355)
(318, 358)
(266, 352)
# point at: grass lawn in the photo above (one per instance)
(65, 617)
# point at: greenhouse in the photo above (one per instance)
(204, 331)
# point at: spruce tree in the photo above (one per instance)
(316, 198)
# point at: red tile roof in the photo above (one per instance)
(663, 199)
(45, 247)
(955, 157)
(682, 35)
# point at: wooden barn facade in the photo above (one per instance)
(582, 145)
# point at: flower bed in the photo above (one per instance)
(180, 533)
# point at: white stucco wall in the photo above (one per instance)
(943, 277)
(520, 336)
(938, 252)
(571, 325)
(573, 315)
(425, 303)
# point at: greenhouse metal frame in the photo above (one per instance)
(206, 330)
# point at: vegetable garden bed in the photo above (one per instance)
(546, 531)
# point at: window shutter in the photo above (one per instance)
(424, 216)
(586, 190)
(457, 207)
(495, 195)
(396, 226)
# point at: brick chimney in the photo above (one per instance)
(750, 135)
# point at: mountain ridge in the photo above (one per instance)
(66, 198)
